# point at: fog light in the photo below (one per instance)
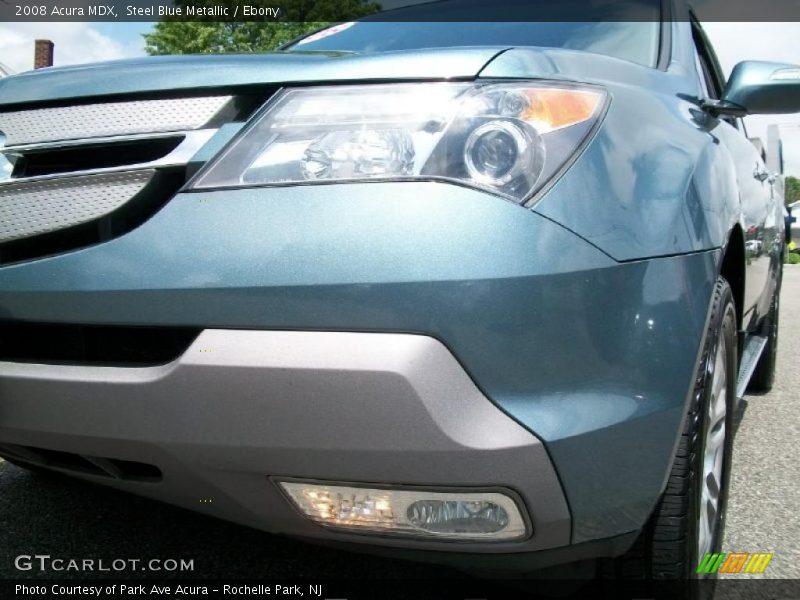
(452, 515)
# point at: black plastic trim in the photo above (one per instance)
(92, 345)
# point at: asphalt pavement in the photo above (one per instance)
(764, 503)
(45, 514)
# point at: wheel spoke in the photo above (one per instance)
(719, 375)
(712, 488)
(716, 438)
(704, 530)
(716, 409)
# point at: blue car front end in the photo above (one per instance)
(415, 335)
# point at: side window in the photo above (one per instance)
(702, 77)
(712, 82)
(707, 64)
(740, 124)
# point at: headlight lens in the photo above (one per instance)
(507, 138)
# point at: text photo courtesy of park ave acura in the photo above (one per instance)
(367, 299)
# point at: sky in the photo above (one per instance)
(778, 42)
(89, 42)
(74, 42)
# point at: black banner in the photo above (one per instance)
(411, 589)
(394, 10)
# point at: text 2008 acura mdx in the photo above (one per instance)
(494, 301)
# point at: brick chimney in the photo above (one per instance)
(43, 55)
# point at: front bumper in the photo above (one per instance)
(242, 407)
(593, 357)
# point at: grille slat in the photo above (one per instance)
(35, 208)
(45, 125)
(73, 176)
(94, 157)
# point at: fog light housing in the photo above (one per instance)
(469, 515)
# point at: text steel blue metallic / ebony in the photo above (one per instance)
(479, 303)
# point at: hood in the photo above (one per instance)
(197, 72)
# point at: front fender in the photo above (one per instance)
(655, 180)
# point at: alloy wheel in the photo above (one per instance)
(713, 454)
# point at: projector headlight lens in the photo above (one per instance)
(498, 152)
(506, 138)
(475, 516)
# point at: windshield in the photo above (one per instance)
(636, 42)
(626, 29)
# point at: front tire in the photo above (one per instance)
(689, 519)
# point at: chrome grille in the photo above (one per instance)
(77, 175)
(108, 119)
(39, 207)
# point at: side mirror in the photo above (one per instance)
(761, 88)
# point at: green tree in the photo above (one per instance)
(792, 189)
(176, 35)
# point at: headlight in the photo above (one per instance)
(507, 138)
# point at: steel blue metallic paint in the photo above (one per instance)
(201, 72)
(662, 176)
(589, 354)
(631, 192)
(580, 316)
(761, 87)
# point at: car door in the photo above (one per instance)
(756, 197)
